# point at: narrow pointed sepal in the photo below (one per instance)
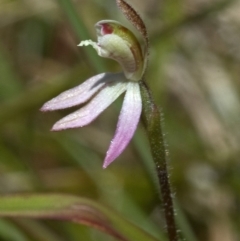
(127, 123)
(131, 14)
(80, 93)
(93, 109)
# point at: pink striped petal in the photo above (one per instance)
(81, 93)
(93, 109)
(127, 123)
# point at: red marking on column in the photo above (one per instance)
(106, 28)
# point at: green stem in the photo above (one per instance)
(82, 32)
(152, 119)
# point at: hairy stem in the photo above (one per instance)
(152, 119)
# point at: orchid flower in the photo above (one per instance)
(118, 43)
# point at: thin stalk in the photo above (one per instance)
(152, 120)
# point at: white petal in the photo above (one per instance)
(127, 122)
(81, 93)
(95, 107)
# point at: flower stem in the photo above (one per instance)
(152, 119)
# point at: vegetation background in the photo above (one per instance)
(194, 75)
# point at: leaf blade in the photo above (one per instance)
(72, 208)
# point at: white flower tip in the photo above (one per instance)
(48, 106)
(44, 108)
(58, 127)
(87, 43)
(54, 129)
(80, 44)
(91, 43)
(105, 166)
(108, 160)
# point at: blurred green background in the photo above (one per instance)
(194, 75)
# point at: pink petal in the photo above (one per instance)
(81, 93)
(91, 111)
(127, 123)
